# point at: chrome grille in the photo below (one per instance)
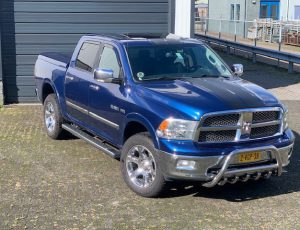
(221, 120)
(240, 125)
(217, 136)
(265, 131)
(265, 116)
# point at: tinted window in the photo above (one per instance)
(87, 56)
(175, 61)
(109, 60)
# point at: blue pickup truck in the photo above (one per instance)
(169, 108)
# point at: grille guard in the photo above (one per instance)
(224, 173)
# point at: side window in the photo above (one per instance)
(109, 60)
(87, 56)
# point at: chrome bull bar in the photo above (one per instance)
(224, 174)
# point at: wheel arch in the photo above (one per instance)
(47, 88)
(136, 123)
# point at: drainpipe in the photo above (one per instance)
(288, 10)
(245, 17)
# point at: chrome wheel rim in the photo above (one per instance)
(141, 166)
(50, 117)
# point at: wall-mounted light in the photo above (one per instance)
(253, 1)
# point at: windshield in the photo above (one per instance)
(175, 61)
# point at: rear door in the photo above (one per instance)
(77, 81)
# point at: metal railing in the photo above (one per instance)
(259, 37)
(262, 32)
(279, 55)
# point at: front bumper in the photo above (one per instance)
(213, 170)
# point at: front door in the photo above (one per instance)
(77, 81)
(105, 99)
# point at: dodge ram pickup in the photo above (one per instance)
(169, 108)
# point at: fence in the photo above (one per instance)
(279, 55)
(266, 33)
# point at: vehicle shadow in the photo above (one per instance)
(239, 192)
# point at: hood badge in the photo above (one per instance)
(246, 127)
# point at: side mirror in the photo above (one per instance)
(103, 75)
(238, 69)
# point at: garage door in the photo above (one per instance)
(30, 27)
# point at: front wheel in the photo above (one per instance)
(140, 167)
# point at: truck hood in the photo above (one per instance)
(191, 98)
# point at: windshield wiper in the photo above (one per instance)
(163, 78)
(215, 76)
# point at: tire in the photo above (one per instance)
(53, 119)
(140, 166)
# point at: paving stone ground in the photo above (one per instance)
(68, 184)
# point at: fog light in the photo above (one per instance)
(186, 165)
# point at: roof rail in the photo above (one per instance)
(145, 35)
(111, 35)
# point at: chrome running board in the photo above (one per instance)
(107, 149)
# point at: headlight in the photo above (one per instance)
(285, 122)
(177, 129)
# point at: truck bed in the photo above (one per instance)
(50, 67)
(59, 59)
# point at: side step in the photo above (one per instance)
(114, 153)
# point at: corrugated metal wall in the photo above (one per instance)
(30, 27)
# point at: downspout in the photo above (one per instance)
(288, 10)
(245, 18)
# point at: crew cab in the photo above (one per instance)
(169, 108)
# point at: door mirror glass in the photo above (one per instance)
(238, 69)
(103, 75)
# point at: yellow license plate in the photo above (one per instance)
(249, 157)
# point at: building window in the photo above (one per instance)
(238, 12)
(263, 11)
(274, 12)
(232, 12)
(297, 12)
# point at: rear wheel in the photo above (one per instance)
(140, 166)
(52, 117)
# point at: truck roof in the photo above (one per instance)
(148, 38)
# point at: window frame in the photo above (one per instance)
(95, 61)
(115, 49)
(238, 12)
(232, 12)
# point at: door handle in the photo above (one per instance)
(70, 78)
(94, 87)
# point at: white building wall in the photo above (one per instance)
(221, 9)
(287, 9)
(183, 18)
